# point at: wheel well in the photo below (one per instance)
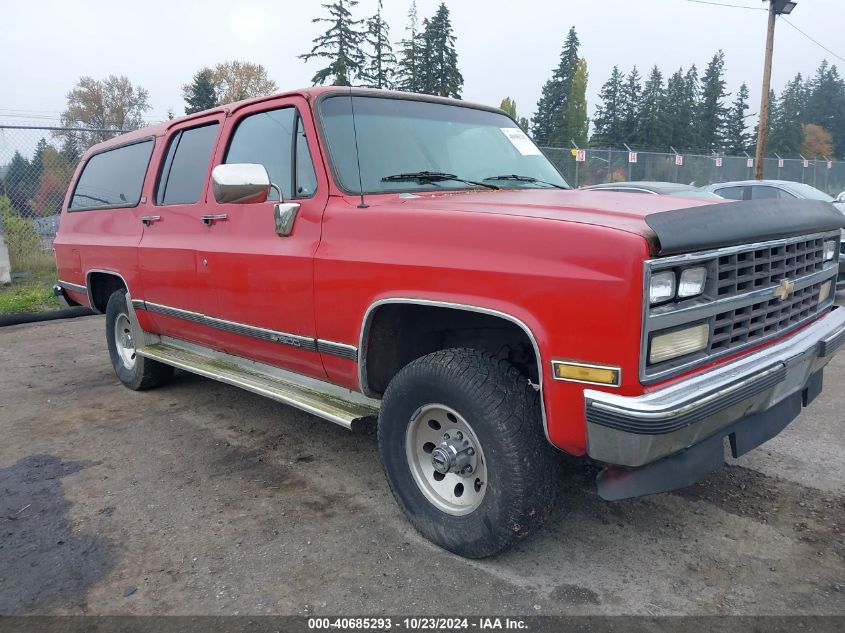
(397, 334)
(100, 288)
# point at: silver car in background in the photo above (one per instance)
(780, 190)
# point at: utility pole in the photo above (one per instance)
(776, 8)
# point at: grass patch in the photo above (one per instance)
(29, 294)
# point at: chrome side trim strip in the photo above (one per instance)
(293, 340)
(322, 346)
(367, 321)
(75, 287)
(337, 349)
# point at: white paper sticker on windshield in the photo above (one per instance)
(521, 142)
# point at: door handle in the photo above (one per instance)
(149, 219)
(208, 220)
(284, 215)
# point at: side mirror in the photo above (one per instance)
(240, 183)
(841, 197)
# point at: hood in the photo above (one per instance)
(623, 211)
(671, 224)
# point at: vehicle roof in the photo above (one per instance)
(309, 94)
(651, 185)
(745, 183)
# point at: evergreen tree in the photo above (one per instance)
(608, 119)
(631, 94)
(551, 108)
(438, 71)
(38, 159)
(380, 62)
(509, 106)
(711, 108)
(691, 135)
(737, 139)
(200, 94)
(19, 184)
(652, 129)
(408, 70)
(786, 137)
(340, 44)
(575, 125)
(826, 104)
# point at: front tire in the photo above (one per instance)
(136, 372)
(477, 418)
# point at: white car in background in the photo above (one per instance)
(780, 190)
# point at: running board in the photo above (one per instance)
(317, 397)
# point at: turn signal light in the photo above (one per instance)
(592, 374)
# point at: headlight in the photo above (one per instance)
(692, 282)
(679, 343)
(662, 287)
(829, 250)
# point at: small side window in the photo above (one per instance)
(306, 179)
(113, 178)
(182, 177)
(731, 193)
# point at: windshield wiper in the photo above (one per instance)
(434, 176)
(519, 178)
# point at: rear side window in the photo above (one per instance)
(182, 177)
(731, 193)
(113, 178)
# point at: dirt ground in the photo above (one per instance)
(199, 498)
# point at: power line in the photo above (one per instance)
(731, 6)
(814, 41)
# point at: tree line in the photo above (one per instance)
(689, 111)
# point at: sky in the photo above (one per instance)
(504, 48)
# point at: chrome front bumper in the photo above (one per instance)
(635, 431)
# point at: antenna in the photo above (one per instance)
(362, 204)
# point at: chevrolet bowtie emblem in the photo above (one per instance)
(784, 289)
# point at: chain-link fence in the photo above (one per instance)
(36, 165)
(594, 166)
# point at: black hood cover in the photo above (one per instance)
(733, 223)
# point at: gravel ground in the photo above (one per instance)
(199, 498)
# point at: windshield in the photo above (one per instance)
(398, 138)
(810, 193)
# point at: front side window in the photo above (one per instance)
(113, 178)
(398, 137)
(185, 165)
(267, 138)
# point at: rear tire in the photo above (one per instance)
(494, 495)
(136, 372)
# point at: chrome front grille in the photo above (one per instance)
(754, 293)
(756, 322)
(761, 267)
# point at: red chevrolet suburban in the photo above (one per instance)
(356, 253)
